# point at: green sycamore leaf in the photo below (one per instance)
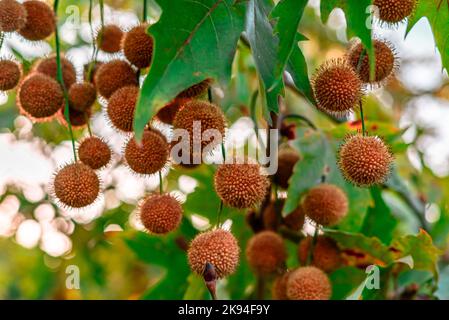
(437, 13)
(193, 41)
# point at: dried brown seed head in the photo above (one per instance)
(326, 255)
(49, 67)
(168, 112)
(287, 159)
(121, 107)
(13, 16)
(138, 46)
(196, 90)
(94, 152)
(308, 283)
(78, 119)
(114, 75)
(160, 213)
(82, 96)
(279, 289)
(109, 38)
(10, 74)
(394, 11)
(40, 21)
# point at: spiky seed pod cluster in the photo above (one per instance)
(121, 108)
(196, 90)
(365, 160)
(78, 119)
(149, 156)
(94, 152)
(82, 96)
(167, 113)
(308, 283)
(337, 87)
(76, 185)
(13, 16)
(10, 74)
(287, 158)
(279, 288)
(109, 38)
(40, 21)
(217, 247)
(160, 213)
(114, 75)
(385, 61)
(394, 11)
(272, 218)
(138, 46)
(49, 67)
(326, 204)
(241, 185)
(39, 96)
(326, 254)
(266, 253)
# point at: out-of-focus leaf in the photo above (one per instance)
(440, 231)
(196, 289)
(345, 280)
(442, 292)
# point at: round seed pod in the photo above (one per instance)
(168, 112)
(365, 160)
(10, 74)
(150, 156)
(77, 118)
(287, 158)
(337, 87)
(114, 75)
(40, 97)
(138, 46)
(385, 61)
(326, 204)
(76, 185)
(295, 219)
(49, 67)
(308, 283)
(217, 247)
(94, 152)
(394, 11)
(196, 90)
(109, 38)
(326, 255)
(279, 289)
(160, 213)
(121, 107)
(40, 21)
(13, 16)
(82, 96)
(266, 253)
(272, 217)
(241, 185)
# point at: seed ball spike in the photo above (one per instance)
(287, 159)
(49, 67)
(82, 96)
(394, 11)
(386, 61)
(40, 21)
(196, 90)
(279, 289)
(13, 16)
(138, 46)
(94, 152)
(241, 185)
(10, 74)
(266, 253)
(114, 75)
(76, 185)
(121, 108)
(217, 247)
(150, 156)
(326, 204)
(109, 38)
(337, 87)
(160, 213)
(326, 255)
(39, 97)
(308, 283)
(365, 160)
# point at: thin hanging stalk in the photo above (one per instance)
(145, 11)
(94, 47)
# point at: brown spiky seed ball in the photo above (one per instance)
(160, 213)
(82, 96)
(13, 16)
(121, 108)
(394, 11)
(40, 21)
(279, 289)
(337, 87)
(196, 90)
(94, 152)
(49, 67)
(114, 75)
(217, 247)
(266, 253)
(241, 185)
(138, 46)
(287, 159)
(295, 219)
(308, 283)
(149, 156)
(109, 38)
(385, 61)
(326, 204)
(167, 113)
(40, 96)
(9, 75)
(365, 160)
(272, 217)
(326, 255)
(78, 119)
(76, 185)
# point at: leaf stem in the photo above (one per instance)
(2, 39)
(161, 187)
(94, 47)
(145, 11)
(362, 117)
(220, 210)
(312, 245)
